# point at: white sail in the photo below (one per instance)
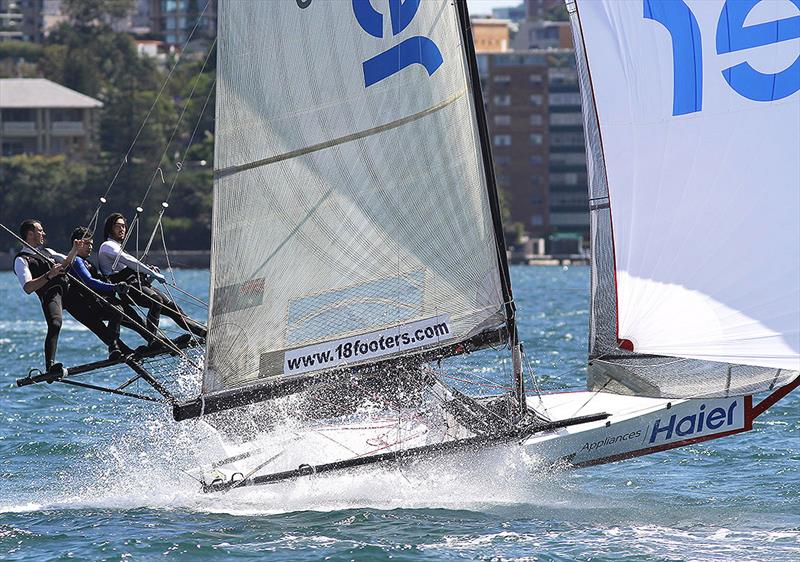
(350, 200)
(693, 127)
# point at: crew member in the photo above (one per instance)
(84, 302)
(117, 265)
(41, 270)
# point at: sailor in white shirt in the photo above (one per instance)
(119, 266)
(46, 278)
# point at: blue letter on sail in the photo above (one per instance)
(414, 50)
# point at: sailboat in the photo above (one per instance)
(357, 238)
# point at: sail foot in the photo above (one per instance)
(659, 376)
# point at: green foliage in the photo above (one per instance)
(94, 12)
(31, 52)
(50, 188)
(87, 56)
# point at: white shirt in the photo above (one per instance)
(21, 265)
(107, 255)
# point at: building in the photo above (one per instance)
(537, 34)
(545, 9)
(38, 116)
(567, 174)
(490, 35)
(513, 13)
(21, 20)
(515, 93)
(173, 21)
(533, 109)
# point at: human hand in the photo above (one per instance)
(160, 278)
(55, 271)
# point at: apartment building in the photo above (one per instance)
(38, 116)
(535, 123)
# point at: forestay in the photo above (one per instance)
(692, 111)
(351, 217)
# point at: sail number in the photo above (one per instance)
(732, 36)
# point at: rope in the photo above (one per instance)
(104, 198)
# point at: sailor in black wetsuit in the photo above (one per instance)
(45, 277)
(108, 307)
(86, 298)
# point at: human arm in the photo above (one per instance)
(82, 272)
(30, 284)
(67, 260)
(110, 252)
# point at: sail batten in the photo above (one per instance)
(347, 138)
(352, 218)
(693, 202)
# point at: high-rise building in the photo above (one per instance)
(545, 9)
(515, 93)
(21, 20)
(512, 13)
(567, 175)
(533, 108)
(175, 21)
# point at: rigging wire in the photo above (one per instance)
(104, 198)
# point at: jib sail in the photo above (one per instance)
(352, 217)
(692, 139)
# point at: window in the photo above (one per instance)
(537, 219)
(565, 98)
(566, 119)
(18, 115)
(502, 120)
(568, 159)
(536, 119)
(501, 79)
(502, 160)
(536, 139)
(502, 140)
(566, 139)
(535, 78)
(13, 148)
(66, 115)
(569, 199)
(535, 100)
(504, 99)
(537, 159)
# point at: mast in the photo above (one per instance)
(494, 200)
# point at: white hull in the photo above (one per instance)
(637, 426)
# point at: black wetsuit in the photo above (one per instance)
(51, 296)
(157, 303)
(114, 310)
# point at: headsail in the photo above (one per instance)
(693, 137)
(352, 221)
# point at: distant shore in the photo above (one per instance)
(180, 259)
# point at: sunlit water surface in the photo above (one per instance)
(95, 477)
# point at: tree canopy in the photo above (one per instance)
(140, 104)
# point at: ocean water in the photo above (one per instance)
(96, 477)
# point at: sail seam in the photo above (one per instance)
(341, 140)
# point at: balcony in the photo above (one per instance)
(68, 128)
(19, 128)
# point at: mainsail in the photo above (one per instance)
(354, 219)
(691, 112)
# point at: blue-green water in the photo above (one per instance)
(91, 477)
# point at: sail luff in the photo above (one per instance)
(488, 165)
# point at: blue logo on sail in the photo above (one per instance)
(414, 50)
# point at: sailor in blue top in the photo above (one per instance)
(84, 299)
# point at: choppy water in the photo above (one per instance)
(91, 477)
